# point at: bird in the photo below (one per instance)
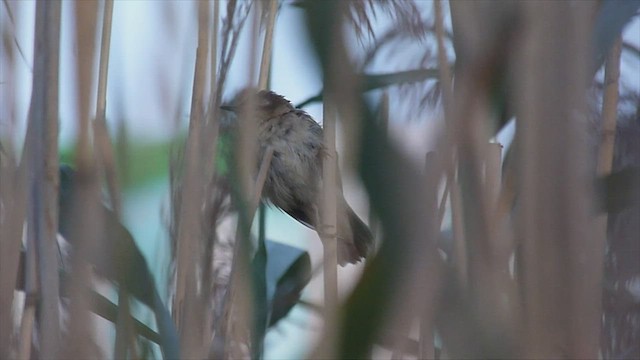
(294, 179)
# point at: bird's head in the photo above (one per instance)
(264, 104)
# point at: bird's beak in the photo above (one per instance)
(228, 107)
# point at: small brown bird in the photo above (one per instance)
(293, 182)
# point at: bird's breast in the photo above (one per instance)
(294, 172)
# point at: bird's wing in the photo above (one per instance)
(297, 212)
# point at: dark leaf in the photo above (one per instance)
(377, 81)
(119, 259)
(288, 271)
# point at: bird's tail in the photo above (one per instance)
(355, 241)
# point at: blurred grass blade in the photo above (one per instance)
(387, 293)
(377, 81)
(109, 311)
(120, 260)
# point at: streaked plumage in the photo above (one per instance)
(294, 179)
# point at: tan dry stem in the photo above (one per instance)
(187, 303)
(86, 206)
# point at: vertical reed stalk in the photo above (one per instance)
(329, 214)
(459, 244)
(214, 48)
(493, 173)
(190, 221)
(268, 45)
(503, 247)
(42, 163)
(12, 196)
(106, 157)
(457, 225)
(608, 131)
(26, 329)
(610, 108)
(209, 147)
(86, 207)
(334, 97)
(242, 312)
(47, 245)
(561, 259)
(106, 153)
(30, 302)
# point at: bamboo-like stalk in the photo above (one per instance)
(493, 173)
(186, 304)
(260, 180)
(12, 196)
(610, 108)
(218, 345)
(328, 203)
(26, 330)
(459, 244)
(561, 259)
(265, 63)
(240, 310)
(124, 328)
(106, 152)
(607, 142)
(211, 120)
(107, 159)
(210, 147)
(86, 207)
(30, 303)
(493, 186)
(499, 229)
(329, 213)
(268, 45)
(48, 246)
(42, 163)
(488, 285)
(214, 47)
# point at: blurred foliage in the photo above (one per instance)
(118, 258)
(378, 81)
(144, 162)
(149, 161)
